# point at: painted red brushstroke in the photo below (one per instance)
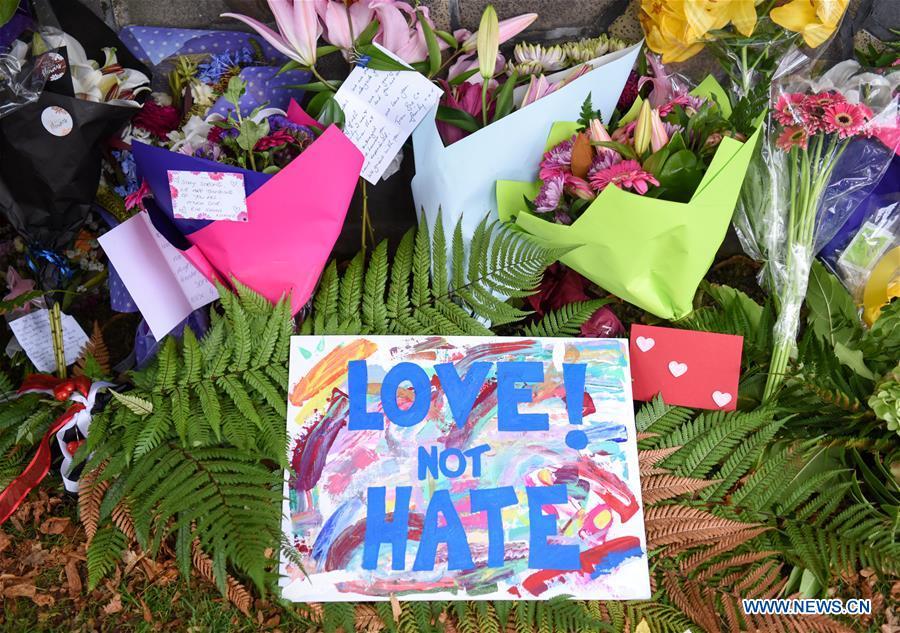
(612, 490)
(537, 583)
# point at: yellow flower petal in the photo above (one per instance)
(795, 15)
(700, 17)
(830, 12)
(883, 285)
(817, 34)
(743, 16)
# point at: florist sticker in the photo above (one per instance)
(208, 195)
(456, 468)
(57, 121)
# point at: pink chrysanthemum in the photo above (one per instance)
(557, 161)
(793, 136)
(627, 174)
(549, 196)
(789, 108)
(846, 119)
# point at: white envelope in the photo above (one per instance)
(461, 179)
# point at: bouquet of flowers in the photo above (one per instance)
(51, 147)
(492, 112)
(749, 38)
(645, 200)
(829, 138)
(278, 248)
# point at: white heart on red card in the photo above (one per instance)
(677, 369)
(645, 343)
(721, 398)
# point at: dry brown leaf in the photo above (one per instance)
(657, 488)
(95, 347)
(396, 609)
(114, 605)
(55, 525)
(90, 495)
(648, 460)
(148, 615)
(5, 540)
(43, 599)
(236, 593)
(25, 590)
(73, 579)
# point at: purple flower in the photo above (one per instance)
(557, 161)
(550, 194)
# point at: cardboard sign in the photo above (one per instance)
(458, 468)
(689, 369)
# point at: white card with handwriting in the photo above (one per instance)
(208, 195)
(381, 110)
(34, 335)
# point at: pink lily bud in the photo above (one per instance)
(507, 29)
(598, 132)
(579, 188)
(658, 135)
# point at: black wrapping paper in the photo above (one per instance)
(48, 181)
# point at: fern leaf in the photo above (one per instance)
(136, 405)
(566, 321)
(660, 487)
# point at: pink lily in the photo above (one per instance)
(401, 35)
(508, 29)
(298, 29)
(469, 62)
(598, 132)
(658, 135)
(343, 24)
(539, 86)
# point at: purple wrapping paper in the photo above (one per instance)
(266, 87)
(153, 44)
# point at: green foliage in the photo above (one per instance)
(194, 450)
(566, 321)
(422, 292)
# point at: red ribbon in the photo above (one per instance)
(14, 494)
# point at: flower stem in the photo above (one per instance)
(484, 108)
(324, 81)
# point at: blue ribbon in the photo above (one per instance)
(63, 269)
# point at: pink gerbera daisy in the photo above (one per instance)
(627, 174)
(846, 119)
(793, 136)
(557, 161)
(789, 108)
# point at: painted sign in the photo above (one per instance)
(455, 468)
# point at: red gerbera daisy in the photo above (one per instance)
(846, 119)
(789, 109)
(793, 136)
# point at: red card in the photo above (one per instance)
(690, 369)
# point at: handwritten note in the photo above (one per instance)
(165, 286)
(33, 334)
(381, 109)
(208, 195)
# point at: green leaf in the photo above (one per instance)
(331, 113)
(458, 118)
(447, 37)
(625, 150)
(461, 77)
(327, 49)
(7, 10)
(854, 359)
(317, 86)
(505, 98)
(567, 320)
(431, 42)
(136, 405)
(832, 315)
(235, 90)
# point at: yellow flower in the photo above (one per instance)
(667, 30)
(816, 20)
(677, 28)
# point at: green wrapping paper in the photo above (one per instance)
(652, 253)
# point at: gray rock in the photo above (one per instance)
(556, 20)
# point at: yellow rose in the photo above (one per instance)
(815, 20)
